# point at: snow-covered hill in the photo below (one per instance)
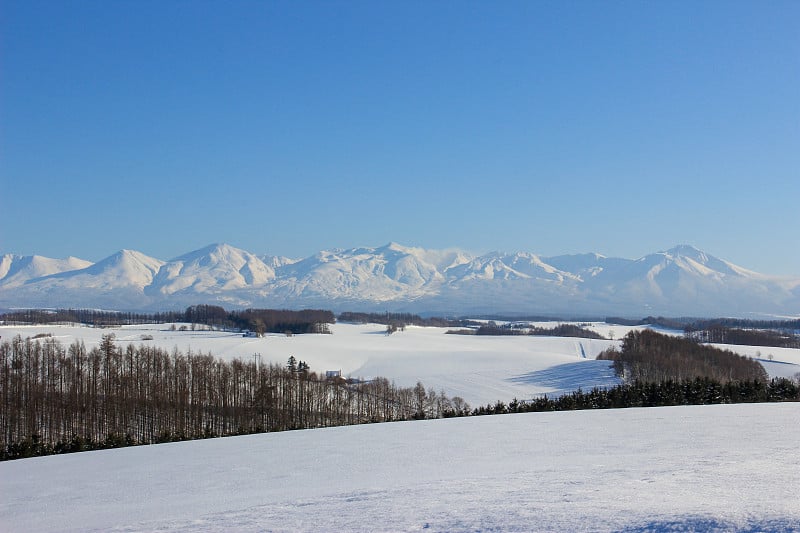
(15, 270)
(679, 281)
(217, 268)
(692, 468)
(709, 468)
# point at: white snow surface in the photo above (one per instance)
(709, 468)
(215, 267)
(15, 270)
(698, 468)
(480, 369)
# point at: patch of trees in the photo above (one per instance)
(259, 320)
(210, 315)
(693, 323)
(697, 391)
(667, 323)
(90, 317)
(400, 320)
(567, 330)
(648, 356)
(745, 323)
(55, 399)
(494, 329)
(283, 321)
(262, 320)
(532, 318)
(747, 337)
(561, 330)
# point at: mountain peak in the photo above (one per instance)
(215, 251)
(128, 263)
(218, 266)
(394, 247)
(18, 269)
(685, 249)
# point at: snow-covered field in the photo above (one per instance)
(703, 468)
(662, 469)
(479, 369)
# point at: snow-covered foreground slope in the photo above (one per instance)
(722, 467)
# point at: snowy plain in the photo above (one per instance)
(480, 369)
(695, 468)
(709, 468)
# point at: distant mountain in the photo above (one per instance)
(126, 268)
(16, 270)
(680, 281)
(116, 282)
(215, 268)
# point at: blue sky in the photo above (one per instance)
(290, 127)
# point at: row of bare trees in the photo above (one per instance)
(144, 394)
(259, 320)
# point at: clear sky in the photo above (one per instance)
(290, 127)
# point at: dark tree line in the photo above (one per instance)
(648, 356)
(400, 320)
(567, 330)
(56, 399)
(664, 322)
(697, 391)
(259, 320)
(283, 321)
(561, 330)
(745, 323)
(747, 337)
(694, 323)
(90, 317)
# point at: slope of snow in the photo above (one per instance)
(215, 267)
(699, 468)
(376, 274)
(480, 369)
(116, 282)
(507, 266)
(16, 270)
(276, 261)
(126, 268)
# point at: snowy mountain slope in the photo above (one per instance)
(586, 266)
(679, 281)
(16, 270)
(126, 268)
(277, 261)
(690, 468)
(370, 274)
(520, 265)
(686, 276)
(215, 268)
(117, 280)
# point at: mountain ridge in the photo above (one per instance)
(678, 281)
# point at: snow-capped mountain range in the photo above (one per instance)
(679, 281)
